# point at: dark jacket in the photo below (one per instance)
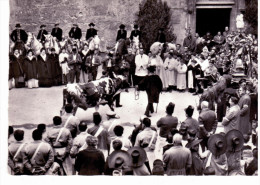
(75, 33)
(57, 32)
(208, 119)
(153, 86)
(44, 70)
(197, 165)
(191, 124)
(91, 33)
(135, 33)
(131, 60)
(30, 68)
(166, 124)
(75, 64)
(121, 35)
(41, 36)
(90, 161)
(23, 36)
(17, 66)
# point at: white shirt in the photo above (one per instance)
(141, 63)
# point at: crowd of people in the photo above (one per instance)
(192, 147)
(170, 147)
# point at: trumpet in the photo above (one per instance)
(136, 94)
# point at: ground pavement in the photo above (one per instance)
(29, 107)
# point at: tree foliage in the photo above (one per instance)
(251, 15)
(153, 15)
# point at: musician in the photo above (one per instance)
(74, 62)
(42, 33)
(152, 84)
(91, 32)
(121, 34)
(135, 33)
(92, 63)
(19, 37)
(211, 72)
(75, 32)
(57, 32)
(141, 63)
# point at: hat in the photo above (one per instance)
(57, 24)
(122, 26)
(18, 26)
(119, 158)
(138, 156)
(42, 26)
(111, 114)
(136, 26)
(189, 109)
(92, 140)
(91, 24)
(75, 25)
(157, 162)
(217, 144)
(235, 140)
(193, 143)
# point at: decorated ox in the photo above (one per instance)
(51, 42)
(93, 94)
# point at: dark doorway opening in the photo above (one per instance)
(212, 20)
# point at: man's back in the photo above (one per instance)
(103, 138)
(72, 124)
(166, 124)
(177, 159)
(191, 124)
(90, 161)
(209, 119)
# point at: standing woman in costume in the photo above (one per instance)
(56, 70)
(153, 86)
(16, 61)
(30, 70)
(44, 69)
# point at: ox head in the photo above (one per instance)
(121, 82)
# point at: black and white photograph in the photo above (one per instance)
(130, 88)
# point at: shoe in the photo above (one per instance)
(119, 105)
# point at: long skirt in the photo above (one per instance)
(181, 81)
(190, 80)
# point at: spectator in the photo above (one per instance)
(90, 161)
(177, 160)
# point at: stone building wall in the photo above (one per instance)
(106, 14)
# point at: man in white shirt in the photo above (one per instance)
(141, 62)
